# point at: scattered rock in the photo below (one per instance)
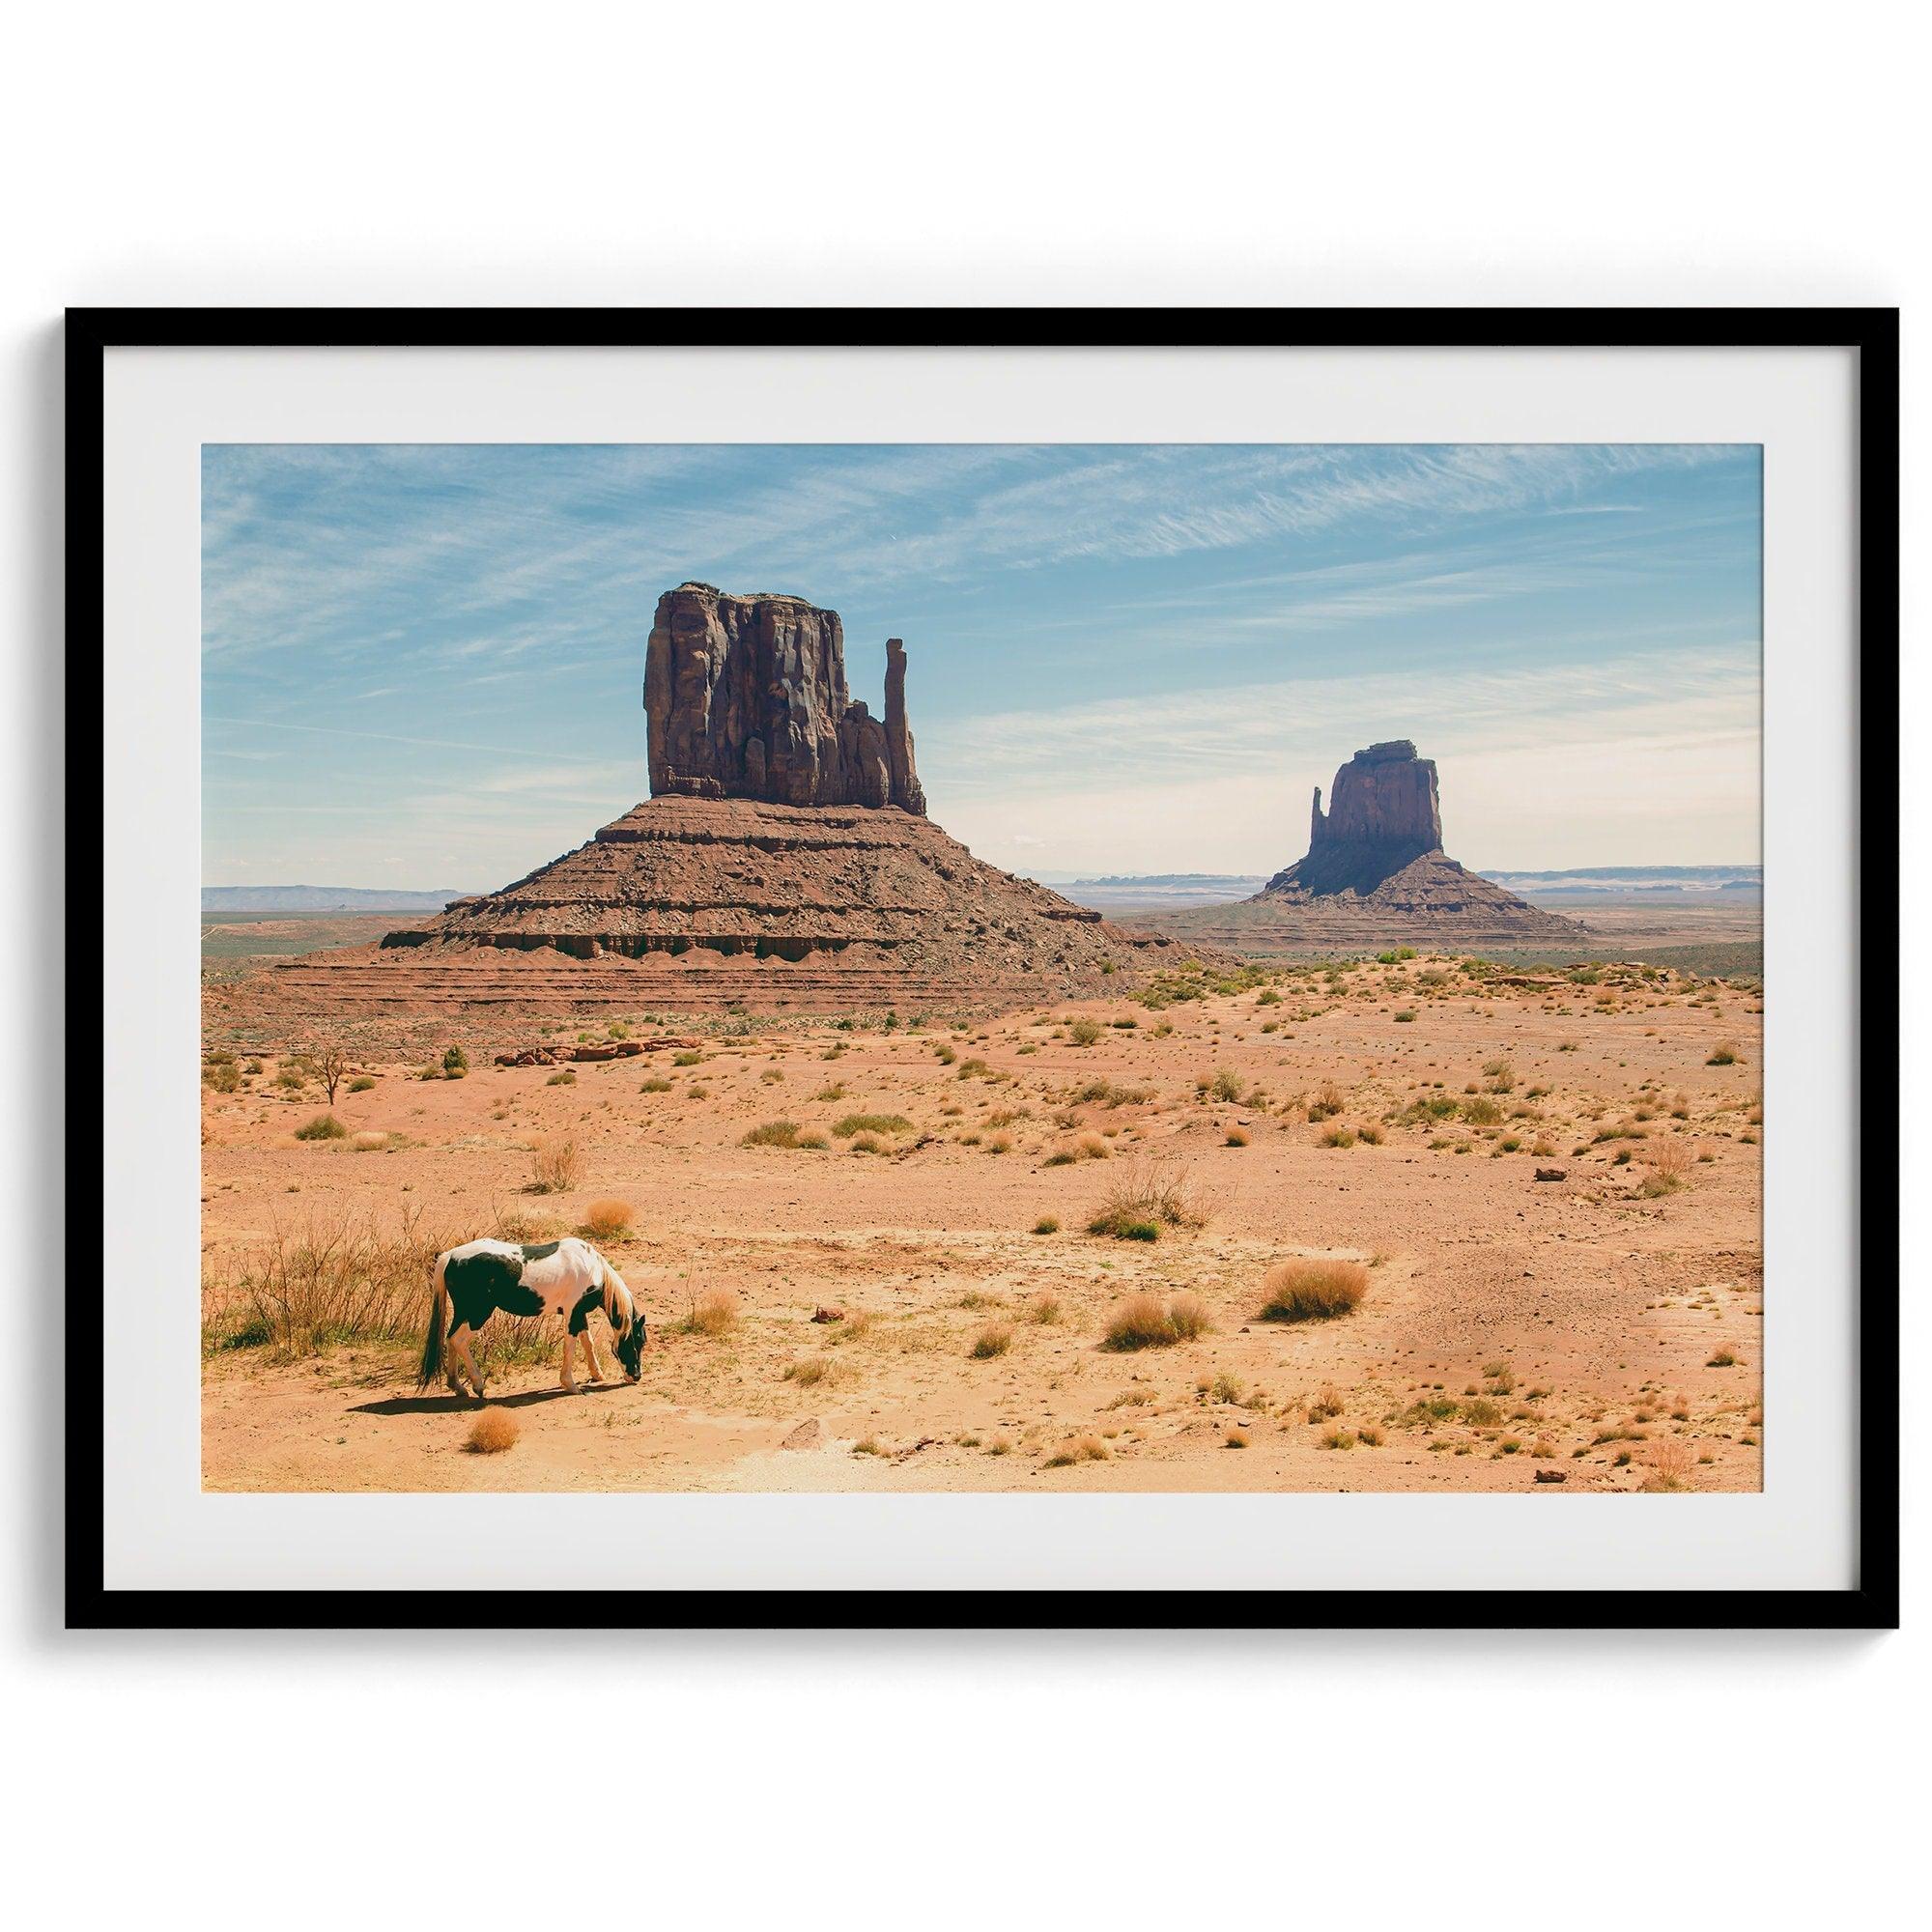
(1551, 1476)
(1552, 1173)
(828, 1315)
(806, 1436)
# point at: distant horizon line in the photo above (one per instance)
(1676, 869)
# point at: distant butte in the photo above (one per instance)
(783, 861)
(1376, 874)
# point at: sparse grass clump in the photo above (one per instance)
(1237, 1137)
(607, 1217)
(1145, 1322)
(554, 1166)
(1724, 1054)
(1083, 1449)
(1670, 1164)
(361, 1084)
(995, 1339)
(332, 1279)
(1047, 1224)
(872, 1123)
(323, 1127)
(1043, 1309)
(1338, 1137)
(809, 1373)
(1149, 1196)
(657, 1084)
(1084, 1032)
(784, 1134)
(1670, 1463)
(715, 1315)
(1313, 1290)
(562, 1077)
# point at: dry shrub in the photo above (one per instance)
(1311, 1290)
(995, 1339)
(1237, 1137)
(1724, 1054)
(607, 1217)
(1152, 1195)
(334, 1277)
(1327, 1102)
(1144, 1321)
(554, 1166)
(1670, 1164)
(715, 1315)
(495, 1429)
(808, 1373)
(1043, 1309)
(1670, 1463)
(1083, 1449)
(520, 1224)
(1187, 1316)
(323, 1127)
(784, 1134)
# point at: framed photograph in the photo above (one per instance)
(1100, 968)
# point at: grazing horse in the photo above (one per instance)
(566, 1277)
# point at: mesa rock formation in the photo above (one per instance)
(783, 861)
(1385, 810)
(746, 698)
(1375, 874)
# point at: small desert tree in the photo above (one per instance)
(327, 1064)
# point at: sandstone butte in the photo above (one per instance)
(783, 861)
(1375, 875)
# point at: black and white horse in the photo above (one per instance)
(566, 1277)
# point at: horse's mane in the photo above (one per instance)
(619, 1310)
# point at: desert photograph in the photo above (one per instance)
(1021, 968)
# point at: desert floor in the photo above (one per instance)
(1606, 1326)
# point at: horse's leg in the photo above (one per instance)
(569, 1379)
(590, 1357)
(461, 1341)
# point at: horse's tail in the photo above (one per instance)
(439, 1322)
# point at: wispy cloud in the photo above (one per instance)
(445, 644)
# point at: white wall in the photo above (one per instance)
(395, 154)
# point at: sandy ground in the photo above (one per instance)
(1593, 1316)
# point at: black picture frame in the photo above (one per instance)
(1872, 334)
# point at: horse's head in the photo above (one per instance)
(631, 1345)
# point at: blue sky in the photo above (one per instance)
(422, 667)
